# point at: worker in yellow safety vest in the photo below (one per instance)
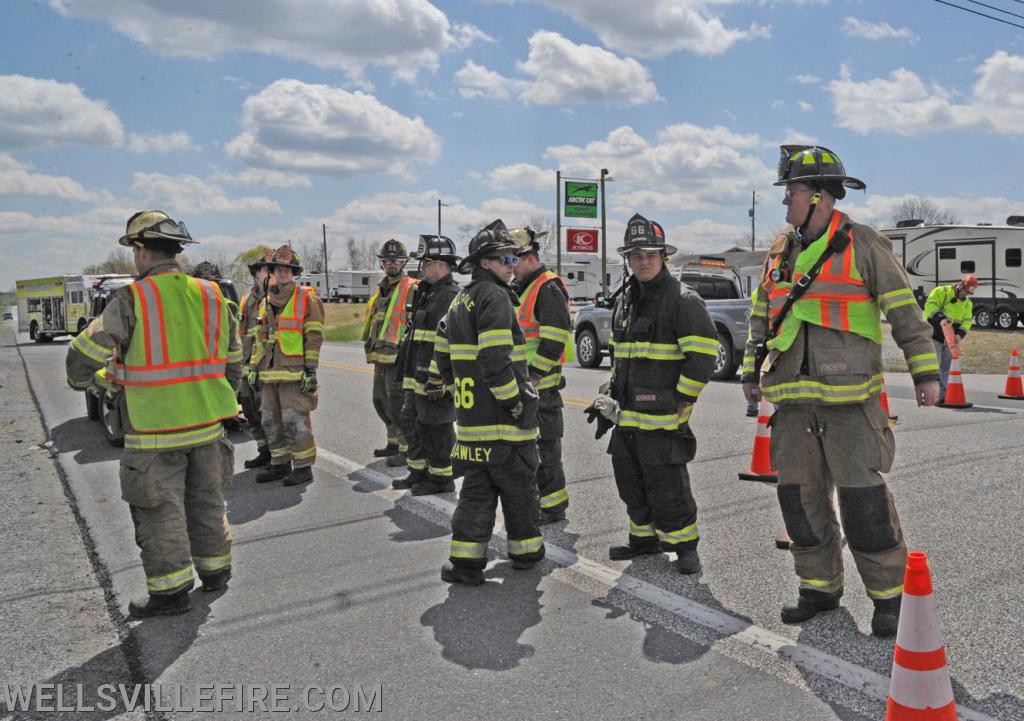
(384, 326)
(543, 314)
(952, 303)
(170, 344)
(284, 364)
(248, 328)
(815, 351)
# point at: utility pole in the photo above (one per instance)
(604, 239)
(752, 213)
(327, 278)
(558, 222)
(439, 217)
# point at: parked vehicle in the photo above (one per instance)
(940, 254)
(720, 287)
(52, 307)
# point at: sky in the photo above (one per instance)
(256, 122)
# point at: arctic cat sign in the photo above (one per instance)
(580, 200)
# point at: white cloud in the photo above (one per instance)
(903, 104)
(685, 168)
(188, 194)
(660, 28)
(857, 28)
(465, 35)
(778, 105)
(266, 178)
(36, 112)
(291, 125)
(521, 177)
(403, 35)
(878, 209)
(704, 235)
(805, 79)
(160, 142)
(563, 73)
(805, 106)
(18, 180)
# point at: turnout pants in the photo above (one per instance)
(945, 359)
(177, 505)
(651, 477)
(286, 422)
(387, 401)
(551, 488)
(506, 471)
(817, 449)
(250, 400)
(430, 446)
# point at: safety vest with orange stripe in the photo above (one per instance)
(174, 369)
(383, 348)
(534, 333)
(837, 299)
(288, 332)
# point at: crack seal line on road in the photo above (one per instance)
(869, 683)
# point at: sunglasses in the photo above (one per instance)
(797, 191)
(506, 260)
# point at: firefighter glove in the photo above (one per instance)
(516, 411)
(252, 377)
(308, 383)
(435, 392)
(605, 411)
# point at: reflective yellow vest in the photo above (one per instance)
(528, 322)
(173, 371)
(396, 320)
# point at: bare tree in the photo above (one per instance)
(542, 223)
(118, 261)
(361, 254)
(917, 208)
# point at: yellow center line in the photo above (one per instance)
(568, 400)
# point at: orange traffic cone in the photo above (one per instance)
(919, 688)
(955, 396)
(885, 406)
(1014, 390)
(761, 462)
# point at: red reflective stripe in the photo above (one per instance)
(844, 315)
(206, 317)
(824, 314)
(168, 366)
(830, 278)
(920, 660)
(145, 322)
(216, 332)
(898, 712)
(841, 297)
(160, 318)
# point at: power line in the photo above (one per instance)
(975, 12)
(998, 10)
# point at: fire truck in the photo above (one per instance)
(54, 306)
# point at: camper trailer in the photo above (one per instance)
(940, 254)
(346, 286)
(582, 274)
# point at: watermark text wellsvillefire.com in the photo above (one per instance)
(190, 698)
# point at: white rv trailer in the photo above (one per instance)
(582, 273)
(940, 254)
(346, 286)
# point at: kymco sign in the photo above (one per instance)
(581, 240)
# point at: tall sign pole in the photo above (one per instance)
(558, 222)
(439, 217)
(327, 278)
(604, 239)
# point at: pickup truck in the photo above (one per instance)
(721, 290)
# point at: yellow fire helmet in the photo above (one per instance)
(154, 225)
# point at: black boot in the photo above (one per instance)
(396, 460)
(547, 517)
(389, 450)
(430, 488)
(263, 459)
(407, 481)
(886, 619)
(809, 604)
(625, 553)
(165, 604)
(459, 574)
(275, 472)
(299, 476)
(687, 560)
(215, 581)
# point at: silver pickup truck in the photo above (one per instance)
(721, 290)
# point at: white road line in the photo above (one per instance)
(871, 684)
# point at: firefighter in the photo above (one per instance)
(284, 363)
(481, 355)
(822, 368)
(427, 411)
(952, 303)
(170, 344)
(544, 317)
(383, 330)
(248, 328)
(664, 349)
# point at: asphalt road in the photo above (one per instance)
(337, 583)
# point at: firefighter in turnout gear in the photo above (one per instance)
(664, 348)
(170, 344)
(387, 315)
(952, 303)
(544, 318)
(818, 359)
(284, 363)
(427, 411)
(248, 328)
(481, 355)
